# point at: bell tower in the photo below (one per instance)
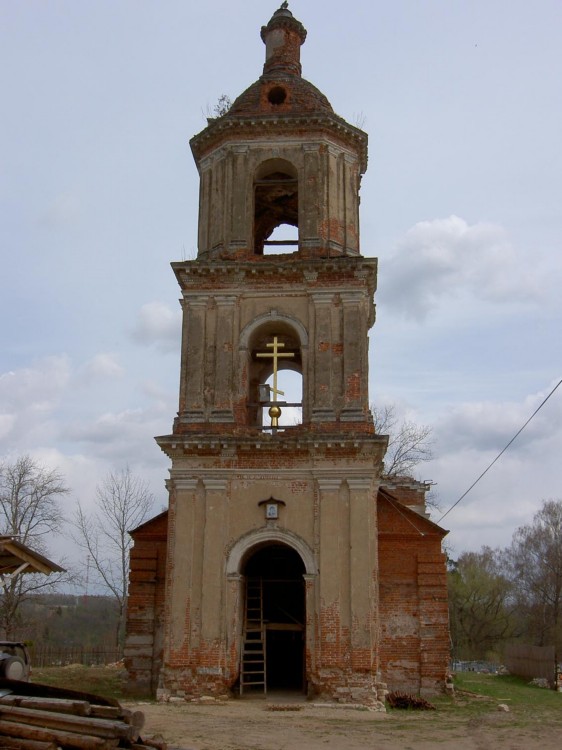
(272, 567)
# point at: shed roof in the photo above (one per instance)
(14, 555)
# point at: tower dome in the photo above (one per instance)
(281, 88)
(278, 137)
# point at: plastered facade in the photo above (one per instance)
(280, 156)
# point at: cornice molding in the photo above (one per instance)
(240, 125)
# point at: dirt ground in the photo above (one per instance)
(254, 724)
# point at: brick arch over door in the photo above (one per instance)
(242, 546)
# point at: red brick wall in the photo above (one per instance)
(413, 615)
(414, 632)
(145, 605)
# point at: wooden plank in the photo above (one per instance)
(19, 743)
(61, 738)
(68, 723)
(109, 712)
(60, 705)
(136, 718)
(36, 690)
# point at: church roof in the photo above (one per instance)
(412, 521)
(281, 97)
(299, 97)
(154, 524)
(281, 88)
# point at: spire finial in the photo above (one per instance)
(283, 37)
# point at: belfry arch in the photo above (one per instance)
(274, 316)
(273, 341)
(276, 203)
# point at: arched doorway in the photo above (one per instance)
(274, 621)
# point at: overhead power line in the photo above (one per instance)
(487, 469)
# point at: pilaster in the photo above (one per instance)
(214, 536)
(224, 360)
(192, 393)
(355, 359)
(322, 386)
(363, 575)
(333, 564)
(184, 556)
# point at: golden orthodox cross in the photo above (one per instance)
(275, 354)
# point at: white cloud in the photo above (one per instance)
(28, 399)
(7, 422)
(469, 439)
(43, 407)
(101, 366)
(158, 325)
(43, 382)
(446, 258)
(44, 413)
(108, 427)
(123, 437)
(160, 396)
(491, 425)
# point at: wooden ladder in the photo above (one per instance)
(252, 662)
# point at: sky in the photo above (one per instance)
(461, 203)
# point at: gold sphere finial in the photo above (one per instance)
(274, 413)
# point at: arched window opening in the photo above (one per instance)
(276, 205)
(276, 378)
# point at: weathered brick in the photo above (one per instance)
(374, 574)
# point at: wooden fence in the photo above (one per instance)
(532, 661)
(50, 656)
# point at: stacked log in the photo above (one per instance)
(47, 723)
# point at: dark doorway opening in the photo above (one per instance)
(285, 650)
(274, 613)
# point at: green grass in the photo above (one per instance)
(514, 691)
(105, 681)
(477, 696)
(474, 707)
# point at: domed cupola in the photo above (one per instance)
(281, 88)
(279, 135)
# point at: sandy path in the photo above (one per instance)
(253, 725)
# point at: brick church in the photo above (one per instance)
(286, 559)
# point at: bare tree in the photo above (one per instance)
(29, 511)
(409, 443)
(123, 501)
(536, 567)
(483, 610)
